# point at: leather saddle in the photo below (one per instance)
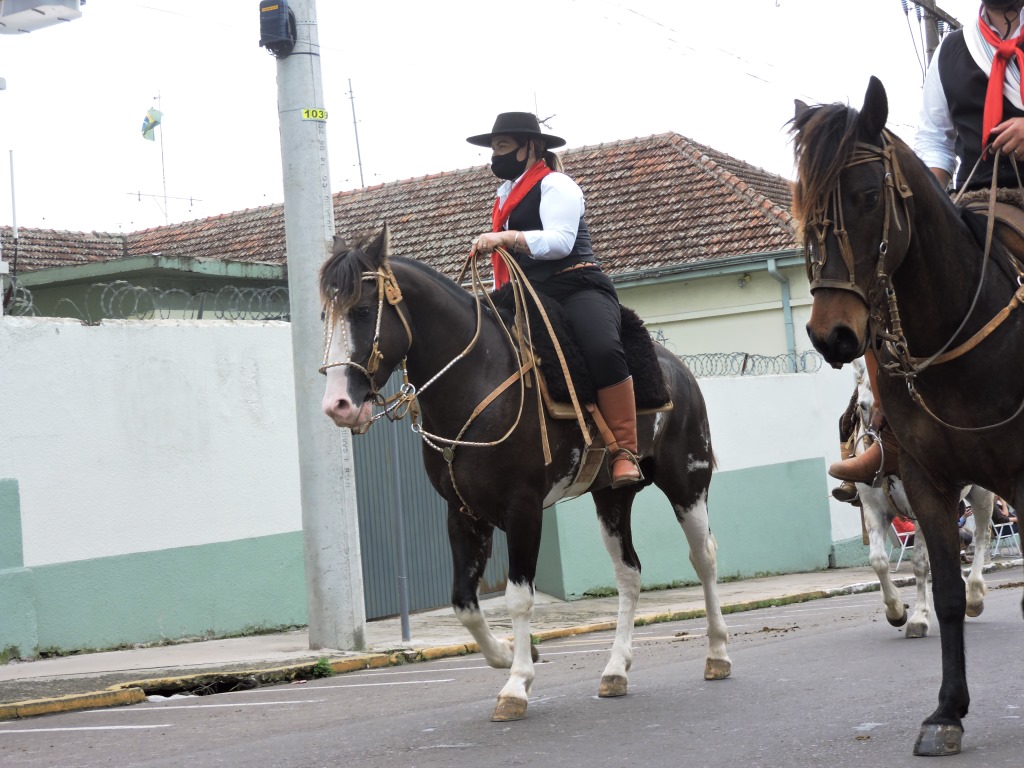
(1009, 225)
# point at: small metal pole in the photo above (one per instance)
(400, 556)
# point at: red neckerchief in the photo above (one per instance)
(994, 95)
(500, 214)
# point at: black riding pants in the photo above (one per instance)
(592, 308)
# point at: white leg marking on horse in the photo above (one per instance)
(519, 599)
(704, 558)
(981, 501)
(497, 651)
(874, 505)
(921, 620)
(628, 581)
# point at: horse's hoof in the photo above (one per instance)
(900, 620)
(717, 669)
(917, 630)
(508, 709)
(612, 686)
(939, 740)
(973, 611)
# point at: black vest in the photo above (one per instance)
(964, 84)
(526, 216)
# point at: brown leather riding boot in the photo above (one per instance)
(864, 468)
(847, 491)
(618, 407)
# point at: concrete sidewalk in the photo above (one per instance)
(123, 677)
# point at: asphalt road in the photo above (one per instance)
(820, 683)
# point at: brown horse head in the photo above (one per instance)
(851, 204)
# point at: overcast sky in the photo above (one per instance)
(424, 76)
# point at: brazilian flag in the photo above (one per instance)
(149, 124)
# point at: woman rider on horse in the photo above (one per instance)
(538, 218)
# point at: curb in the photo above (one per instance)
(137, 691)
(35, 707)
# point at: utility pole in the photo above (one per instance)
(932, 16)
(330, 524)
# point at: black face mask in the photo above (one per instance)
(507, 167)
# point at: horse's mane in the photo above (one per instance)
(824, 137)
(341, 276)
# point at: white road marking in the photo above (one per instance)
(85, 728)
(383, 673)
(207, 706)
(353, 685)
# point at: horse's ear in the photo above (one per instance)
(799, 108)
(876, 109)
(379, 247)
(339, 245)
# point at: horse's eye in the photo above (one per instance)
(361, 313)
(871, 199)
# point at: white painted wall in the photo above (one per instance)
(139, 436)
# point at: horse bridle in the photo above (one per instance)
(819, 224)
(403, 402)
(891, 334)
(387, 290)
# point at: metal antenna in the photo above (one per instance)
(355, 129)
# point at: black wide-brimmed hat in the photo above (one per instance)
(517, 123)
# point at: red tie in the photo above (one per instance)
(500, 214)
(994, 95)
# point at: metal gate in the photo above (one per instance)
(380, 483)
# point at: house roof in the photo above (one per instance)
(653, 202)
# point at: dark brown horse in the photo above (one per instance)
(483, 448)
(895, 264)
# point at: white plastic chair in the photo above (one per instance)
(902, 540)
(1003, 535)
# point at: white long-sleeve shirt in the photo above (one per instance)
(561, 208)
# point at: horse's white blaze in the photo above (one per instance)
(337, 403)
(519, 599)
(628, 581)
(704, 558)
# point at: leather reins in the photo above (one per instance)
(404, 402)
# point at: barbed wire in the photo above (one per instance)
(21, 302)
(120, 300)
(714, 364)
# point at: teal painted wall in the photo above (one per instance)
(768, 519)
(209, 590)
(11, 554)
(852, 553)
(18, 637)
(18, 626)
